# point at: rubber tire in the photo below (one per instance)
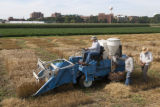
(82, 82)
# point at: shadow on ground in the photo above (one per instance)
(139, 84)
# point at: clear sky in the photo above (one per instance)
(22, 8)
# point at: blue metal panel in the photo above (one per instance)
(75, 59)
(41, 73)
(121, 66)
(104, 68)
(63, 76)
(89, 71)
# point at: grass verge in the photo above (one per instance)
(22, 32)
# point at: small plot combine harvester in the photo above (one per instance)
(61, 71)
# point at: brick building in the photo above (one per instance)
(105, 17)
(85, 18)
(56, 15)
(14, 19)
(36, 15)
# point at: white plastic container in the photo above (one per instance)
(113, 46)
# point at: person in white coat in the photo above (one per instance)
(129, 67)
(93, 50)
(145, 60)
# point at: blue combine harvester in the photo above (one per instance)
(62, 71)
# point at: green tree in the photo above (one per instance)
(67, 19)
(156, 18)
(103, 21)
(93, 19)
(114, 20)
(143, 19)
(78, 19)
(49, 19)
(73, 19)
(60, 19)
(134, 20)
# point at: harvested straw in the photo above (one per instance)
(19, 64)
(13, 102)
(118, 90)
(27, 89)
(116, 76)
(72, 98)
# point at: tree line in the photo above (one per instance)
(94, 19)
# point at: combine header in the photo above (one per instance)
(61, 71)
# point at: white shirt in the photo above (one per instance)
(95, 47)
(146, 57)
(129, 64)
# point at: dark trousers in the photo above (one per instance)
(87, 56)
(144, 72)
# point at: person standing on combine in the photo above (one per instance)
(145, 60)
(129, 67)
(93, 50)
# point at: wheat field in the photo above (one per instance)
(18, 58)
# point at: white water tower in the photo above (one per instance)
(111, 8)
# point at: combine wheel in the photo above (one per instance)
(83, 83)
